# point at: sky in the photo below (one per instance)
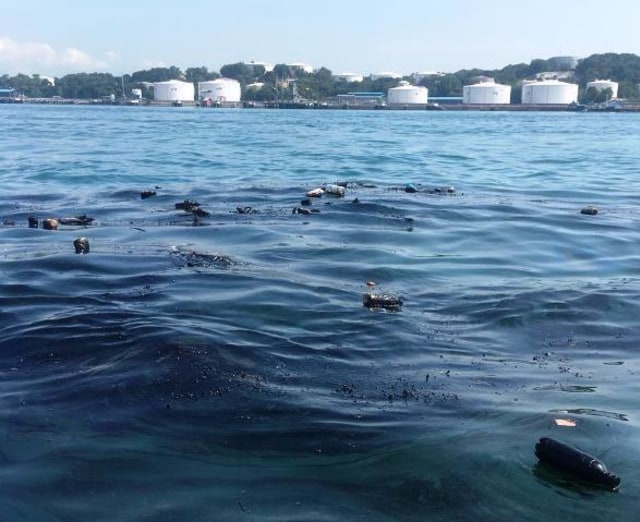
(54, 38)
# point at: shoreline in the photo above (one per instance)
(327, 105)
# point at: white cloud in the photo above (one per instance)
(150, 64)
(36, 57)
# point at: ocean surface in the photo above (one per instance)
(224, 367)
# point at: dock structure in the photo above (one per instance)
(337, 104)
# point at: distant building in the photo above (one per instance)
(173, 91)
(268, 67)
(219, 90)
(407, 94)
(305, 67)
(384, 75)
(8, 93)
(481, 79)
(419, 76)
(361, 98)
(554, 75)
(603, 85)
(549, 92)
(486, 93)
(348, 77)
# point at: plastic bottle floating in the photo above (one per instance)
(572, 460)
(382, 300)
(335, 190)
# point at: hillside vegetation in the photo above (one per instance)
(320, 85)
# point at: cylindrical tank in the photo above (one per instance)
(173, 90)
(220, 90)
(407, 94)
(489, 93)
(549, 92)
(601, 85)
(136, 93)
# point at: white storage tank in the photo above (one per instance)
(602, 85)
(220, 90)
(136, 94)
(488, 93)
(173, 90)
(549, 92)
(407, 94)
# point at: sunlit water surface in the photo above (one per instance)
(225, 368)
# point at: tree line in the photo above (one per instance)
(288, 82)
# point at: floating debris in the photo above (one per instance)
(315, 193)
(194, 259)
(410, 188)
(443, 190)
(589, 211)
(147, 194)
(81, 245)
(244, 210)
(78, 220)
(335, 190)
(50, 224)
(382, 300)
(187, 204)
(198, 212)
(572, 460)
(568, 423)
(303, 211)
(33, 222)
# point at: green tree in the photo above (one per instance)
(89, 85)
(282, 72)
(593, 95)
(266, 93)
(238, 71)
(157, 74)
(443, 85)
(199, 74)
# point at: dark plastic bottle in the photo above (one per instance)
(381, 301)
(572, 460)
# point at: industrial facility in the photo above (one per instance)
(407, 94)
(220, 90)
(486, 93)
(384, 76)
(173, 91)
(603, 85)
(549, 92)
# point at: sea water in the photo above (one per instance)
(224, 367)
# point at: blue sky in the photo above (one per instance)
(54, 38)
